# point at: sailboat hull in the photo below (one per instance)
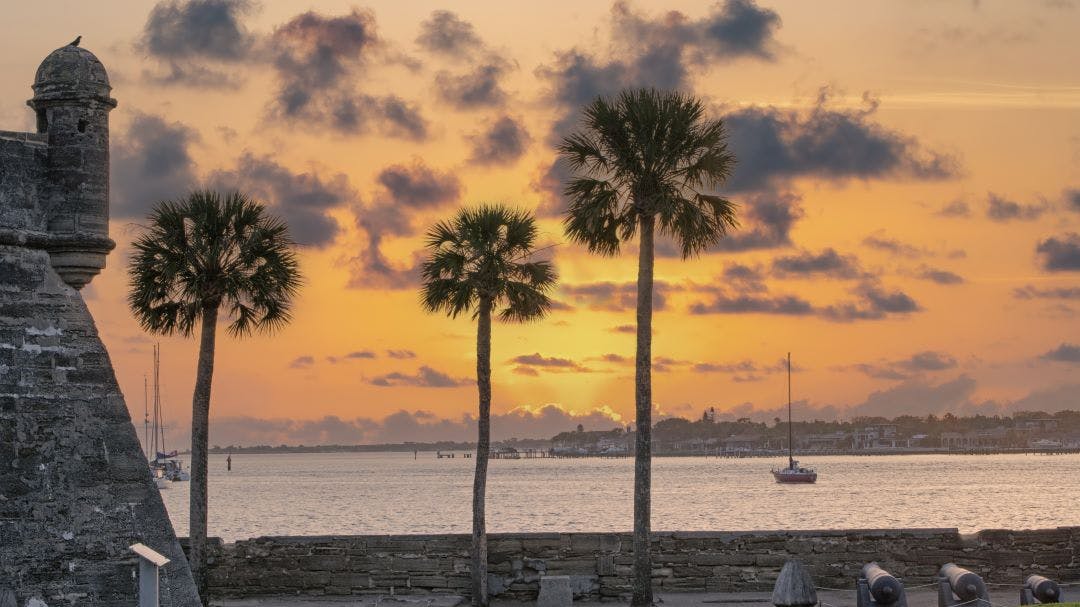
(784, 476)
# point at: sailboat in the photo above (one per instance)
(164, 466)
(794, 473)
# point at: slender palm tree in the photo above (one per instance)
(482, 262)
(197, 256)
(642, 163)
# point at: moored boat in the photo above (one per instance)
(794, 473)
(164, 467)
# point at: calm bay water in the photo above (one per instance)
(362, 493)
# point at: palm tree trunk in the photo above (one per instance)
(642, 587)
(483, 447)
(200, 430)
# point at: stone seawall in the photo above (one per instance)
(600, 563)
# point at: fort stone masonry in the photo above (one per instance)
(75, 488)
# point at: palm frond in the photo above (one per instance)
(647, 153)
(212, 250)
(484, 253)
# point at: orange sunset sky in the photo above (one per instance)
(909, 182)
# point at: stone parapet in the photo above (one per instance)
(599, 564)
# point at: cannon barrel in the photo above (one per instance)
(884, 587)
(1043, 589)
(965, 584)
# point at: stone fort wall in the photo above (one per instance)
(600, 563)
(75, 486)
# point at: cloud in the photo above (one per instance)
(302, 362)
(502, 143)
(360, 354)
(406, 426)
(419, 186)
(549, 184)
(1066, 352)
(786, 305)
(741, 371)
(370, 268)
(917, 397)
(657, 52)
(956, 208)
(877, 371)
(407, 190)
(303, 199)
(736, 28)
(198, 29)
(531, 364)
(827, 262)
(151, 162)
(740, 28)
(774, 145)
(1001, 209)
(941, 277)
(425, 377)
(1060, 253)
(447, 34)
(1033, 292)
(875, 303)
(477, 88)
(666, 364)
(401, 354)
(184, 35)
(928, 361)
(743, 278)
(893, 246)
(767, 219)
(318, 60)
(630, 329)
(1072, 199)
(614, 297)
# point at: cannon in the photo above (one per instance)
(878, 588)
(1038, 589)
(959, 586)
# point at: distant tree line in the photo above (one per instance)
(682, 429)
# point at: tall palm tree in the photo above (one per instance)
(197, 256)
(642, 162)
(482, 261)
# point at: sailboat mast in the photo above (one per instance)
(157, 400)
(790, 447)
(146, 413)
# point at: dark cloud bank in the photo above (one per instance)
(317, 60)
(154, 161)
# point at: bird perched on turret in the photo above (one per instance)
(76, 41)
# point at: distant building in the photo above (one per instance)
(742, 442)
(881, 436)
(830, 441)
(976, 439)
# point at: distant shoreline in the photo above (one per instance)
(545, 453)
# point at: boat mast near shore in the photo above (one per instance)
(793, 473)
(164, 466)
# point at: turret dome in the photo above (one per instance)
(71, 72)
